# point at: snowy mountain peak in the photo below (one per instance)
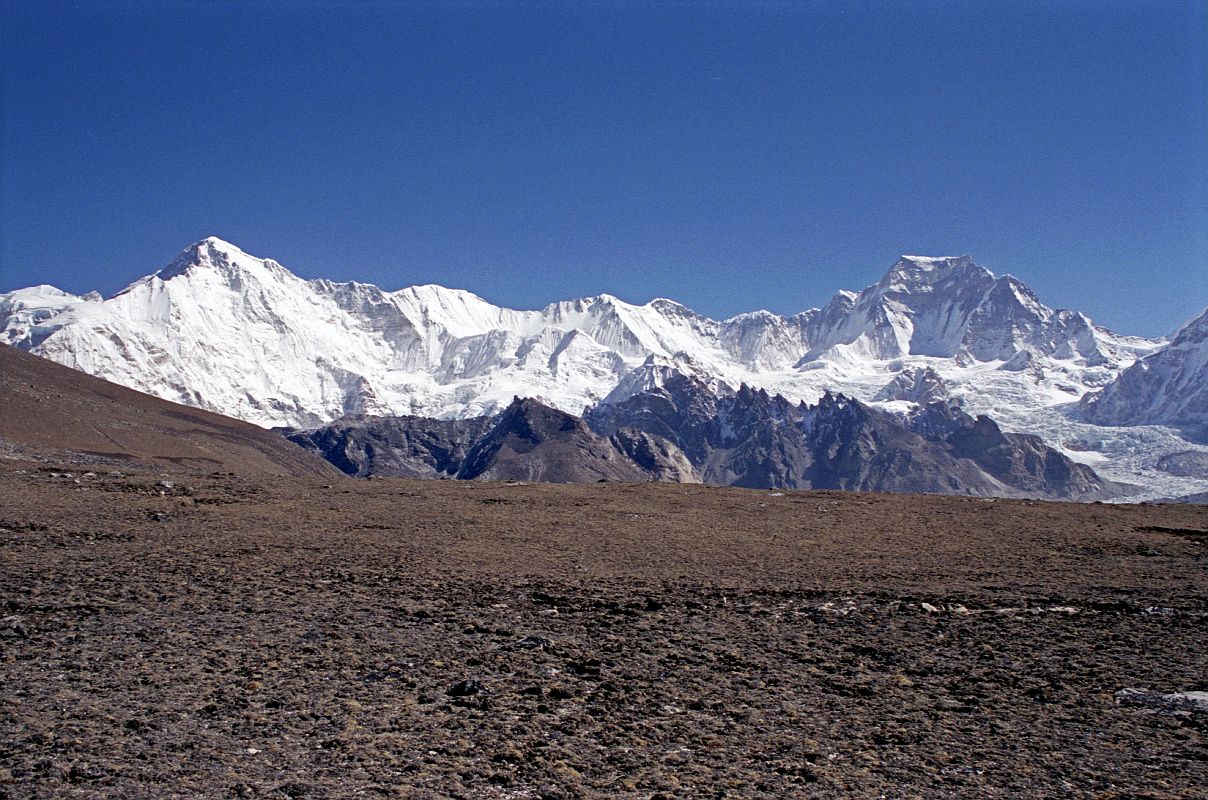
(920, 273)
(214, 254)
(671, 308)
(932, 262)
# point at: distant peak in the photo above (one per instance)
(762, 315)
(212, 244)
(911, 271)
(931, 262)
(208, 252)
(436, 292)
(667, 305)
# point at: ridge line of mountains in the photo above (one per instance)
(224, 331)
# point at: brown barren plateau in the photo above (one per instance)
(244, 634)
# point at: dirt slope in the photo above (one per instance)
(46, 408)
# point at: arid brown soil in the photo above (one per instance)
(225, 636)
(48, 411)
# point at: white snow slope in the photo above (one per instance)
(1168, 387)
(243, 336)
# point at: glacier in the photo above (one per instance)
(240, 335)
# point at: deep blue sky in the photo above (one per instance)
(729, 156)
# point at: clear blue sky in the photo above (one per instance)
(730, 156)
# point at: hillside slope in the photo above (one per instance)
(46, 409)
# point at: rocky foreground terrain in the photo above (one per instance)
(167, 634)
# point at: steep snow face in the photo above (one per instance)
(763, 341)
(226, 331)
(1169, 387)
(952, 308)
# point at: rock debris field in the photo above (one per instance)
(174, 635)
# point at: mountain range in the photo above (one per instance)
(225, 331)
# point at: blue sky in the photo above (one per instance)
(730, 156)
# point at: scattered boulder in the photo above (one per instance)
(1174, 702)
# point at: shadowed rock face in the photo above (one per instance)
(405, 447)
(916, 385)
(1189, 463)
(654, 454)
(1019, 460)
(533, 442)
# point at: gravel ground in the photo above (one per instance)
(217, 636)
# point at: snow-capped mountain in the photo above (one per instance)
(226, 331)
(1169, 387)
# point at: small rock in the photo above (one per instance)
(587, 668)
(535, 643)
(466, 688)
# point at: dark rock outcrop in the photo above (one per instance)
(1185, 464)
(654, 454)
(1019, 460)
(533, 442)
(916, 385)
(529, 441)
(407, 447)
